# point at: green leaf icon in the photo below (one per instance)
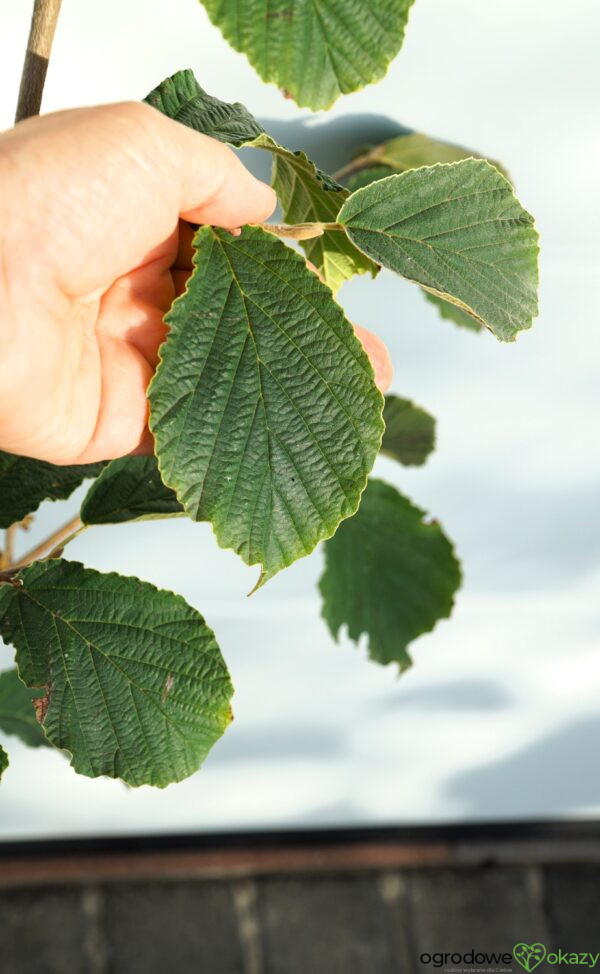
(529, 956)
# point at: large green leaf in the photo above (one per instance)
(264, 408)
(410, 150)
(306, 193)
(458, 231)
(17, 710)
(3, 761)
(409, 432)
(25, 483)
(181, 98)
(314, 50)
(414, 149)
(388, 574)
(129, 489)
(135, 684)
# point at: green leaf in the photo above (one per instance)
(181, 98)
(410, 150)
(264, 408)
(129, 489)
(409, 432)
(3, 761)
(450, 312)
(25, 483)
(17, 710)
(388, 574)
(414, 149)
(306, 193)
(458, 231)
(135, 684)
(370, 174)
(314, 49)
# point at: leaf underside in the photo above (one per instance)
(17, 711)
(315, 50)
(306, 198)
(264, 409)
(129, 489)
(415, 149)
(388, 574)
(458, 231)
(409, 435)
(411, 151)
(135, 684)
(305, 192)
(451, 312)
(25, 483)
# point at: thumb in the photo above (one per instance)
(107, 185)
(216, 187)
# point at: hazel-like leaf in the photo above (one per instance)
(459, 232)
(409, 435)
(25, 483)
(184, 100)
(135, 684)
(315, 50)
(389, 574)
(264, 408)
(129, 489)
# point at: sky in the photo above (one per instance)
(499, 716)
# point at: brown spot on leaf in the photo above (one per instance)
(41, 704)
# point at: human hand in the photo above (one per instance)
(92, 254)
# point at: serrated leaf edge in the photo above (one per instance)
(264, 576)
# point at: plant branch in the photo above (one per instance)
(53, 543)
(6, 556)
(299, 231)
(355, 165)
(37, 56)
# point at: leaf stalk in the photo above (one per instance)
(299, 231)
(355, 165)
(52, 544)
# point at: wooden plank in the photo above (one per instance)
(572, 900)
(43, 930)
(170, 927)
(333, 925)
(482, 910)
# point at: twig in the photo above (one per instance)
(53, 543)
(37, 56)
(299, 231)
(9, 546)
(374, 155)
